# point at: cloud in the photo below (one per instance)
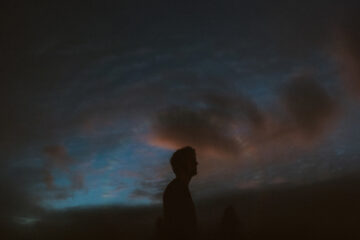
(309, 105)
(232, 126)
(213, 127)
(151, 187)
(140, 193)
(346, 51)
(77, 181)
(252, 184)
(113, 192)
(58, 158)
(178, 127)
(49, 179)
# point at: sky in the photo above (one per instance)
(97, 96)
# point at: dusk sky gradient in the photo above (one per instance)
(96, 97)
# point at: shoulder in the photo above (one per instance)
(173, 187)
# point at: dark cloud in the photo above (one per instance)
(77, 182)
(150, 189)
(311, 108)
(227, 107)
(179, 127)
(57, 158)
(346, 51)
(49, 179)
(212, 128)
(226, 125)
(140, 193)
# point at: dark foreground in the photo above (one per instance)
(327, 210)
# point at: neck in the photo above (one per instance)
(184, 178)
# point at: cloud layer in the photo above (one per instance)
(346, 51)
(225, 126)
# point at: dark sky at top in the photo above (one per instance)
(96, 96)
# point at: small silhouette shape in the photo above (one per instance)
(229, 227)
(180, 220)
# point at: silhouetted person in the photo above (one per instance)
(179, 210)
(229, 227)
(158, 234)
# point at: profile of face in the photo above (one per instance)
(192, 166)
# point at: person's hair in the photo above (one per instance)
(180, 157)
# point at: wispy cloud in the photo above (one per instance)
(346, 51)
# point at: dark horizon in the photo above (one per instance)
(326, 210)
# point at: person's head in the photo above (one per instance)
(183, 162)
